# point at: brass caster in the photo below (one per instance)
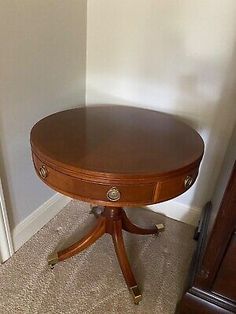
(160, 228)
(137, 296)
(52, 260)
(96, 210)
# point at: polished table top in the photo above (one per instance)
(119, 154)
(117, 141)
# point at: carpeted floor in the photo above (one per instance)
(91, 282)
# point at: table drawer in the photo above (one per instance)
(107, 194)
(172, 187)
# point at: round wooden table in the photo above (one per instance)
(115, 156)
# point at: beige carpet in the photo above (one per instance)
(91, 282)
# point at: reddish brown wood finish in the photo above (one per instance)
(219, 240)
(112, 221)
(121, 254)
(146, 156)
(213, 285)
(130, 227)
(95, 192)
(85, 242)
(116, 141)
(225, 282)
(192, 304)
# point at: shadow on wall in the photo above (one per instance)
(177, 59)
(204, 99)
(215, 123)
(220, 130)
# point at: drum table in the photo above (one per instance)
(115, 156)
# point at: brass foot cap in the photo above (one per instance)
(160, 227)
(137, 296)
(96, 210)
(53, 260)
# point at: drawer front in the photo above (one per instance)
(107, 194)
(175, 186)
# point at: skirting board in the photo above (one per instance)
(43, 214)
(6, 246)
(35, 221)
(177, 211)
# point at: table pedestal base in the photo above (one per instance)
(111, 220)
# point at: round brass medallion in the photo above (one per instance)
(113, 194)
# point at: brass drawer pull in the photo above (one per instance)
(188, 182)
(43, 172)
(113, 194)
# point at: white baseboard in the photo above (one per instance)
(35, 221)
(43, 214)
(6, 246)
(178, 211)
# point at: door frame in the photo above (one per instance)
(6, 246)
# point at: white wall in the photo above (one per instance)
(173, 56)
(42, 70)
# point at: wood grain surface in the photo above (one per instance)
(146, 154)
